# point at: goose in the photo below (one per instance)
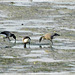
(26, 40)
(48, 36)
(8, 35)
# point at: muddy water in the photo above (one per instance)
(35, 19)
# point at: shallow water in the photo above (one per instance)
(35, 19)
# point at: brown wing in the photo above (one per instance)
(47, 36)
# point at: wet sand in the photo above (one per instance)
(35, 19)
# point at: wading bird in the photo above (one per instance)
(26, 40)
(8, 35)
(48, 36)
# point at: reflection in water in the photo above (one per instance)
(51, 52)
(50, 45)
(11, 45)
(19, 44)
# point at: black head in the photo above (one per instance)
(27, 37)
(55, 34)
(12, 35)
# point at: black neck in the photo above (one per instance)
(52, 36)
(12, 35)
(24, 45)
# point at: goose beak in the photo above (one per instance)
(58, 34)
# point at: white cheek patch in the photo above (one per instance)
(25, 40)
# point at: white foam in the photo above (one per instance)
(7, 57)
(64, 47)
(43, 60)
(32, 55)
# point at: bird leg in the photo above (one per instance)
(24, 45)
(29, 44)
(4, 38)
(8, 38)
(51, 43)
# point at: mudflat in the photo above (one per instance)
(35, 19)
